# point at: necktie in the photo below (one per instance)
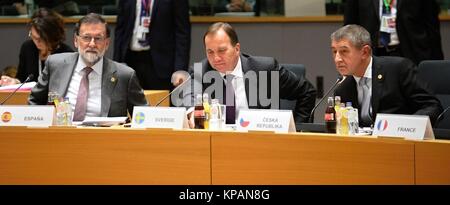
(83, 90)
(365, 103)
(229, 100)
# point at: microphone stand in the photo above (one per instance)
(440, 117)
(170, 93)
(338, 81)
(14, 92)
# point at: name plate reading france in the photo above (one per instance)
(266, 120)
(159, 117)
(27, 115)
(413, 127)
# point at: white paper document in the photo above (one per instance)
(26, 86)
(103, 121)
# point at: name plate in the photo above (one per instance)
(27, 115)
(266, 120)
(159, 117)
(414, 127)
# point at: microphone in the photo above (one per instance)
(338, 81)
(14, 92)
(440, 116)
(175, 89)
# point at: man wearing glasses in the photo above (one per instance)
(95, 85)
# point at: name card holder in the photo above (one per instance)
(159, 117)
(27, 115)
(280, 121)
(412, 127)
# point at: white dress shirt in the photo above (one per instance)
(239, 87)
(95, 87)
(134, 43)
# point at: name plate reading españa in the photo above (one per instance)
(26, 115)
(266, 120)
(159, 117)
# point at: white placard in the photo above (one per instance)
(266, 120)
(159, 117)
(27, 115)
(414, 127)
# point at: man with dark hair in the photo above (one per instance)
(247, 80)
(95, 85)
(378, 84)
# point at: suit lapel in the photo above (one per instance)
(378, 76)
(248, 83)
(109, 81)
(376, 6)
(155, 5)
(69, 67)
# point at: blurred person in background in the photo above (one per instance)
(8, 76)
(398, 27)
(154, 37)
(46, 37)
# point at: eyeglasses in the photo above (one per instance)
(88, 39)
(37, 39)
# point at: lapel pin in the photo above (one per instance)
(113, 79)
(380, 76)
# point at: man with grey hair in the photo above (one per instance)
(244, 81)
(95, 85)
(378, 84)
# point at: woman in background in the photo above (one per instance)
(47, 35)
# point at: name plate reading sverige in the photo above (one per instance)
(266, 120)
(159, 117)
(413, 127)
(27, 115)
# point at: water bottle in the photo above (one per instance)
(199, 113)
(352, 114)
(343, 120)
(214, 117)
(69, 113)
(337, 109)
(330, 116)
(207, 109)
(64, 113)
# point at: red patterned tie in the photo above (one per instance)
(83, 91)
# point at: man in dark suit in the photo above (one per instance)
(96, 86)
(411, 31)
(225, 63)
(153, 37)
(378, 84)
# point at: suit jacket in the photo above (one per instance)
(417, 26)
(118, 96)
(29, 59)
(395, 90)
(170, 34)
(291, 87)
